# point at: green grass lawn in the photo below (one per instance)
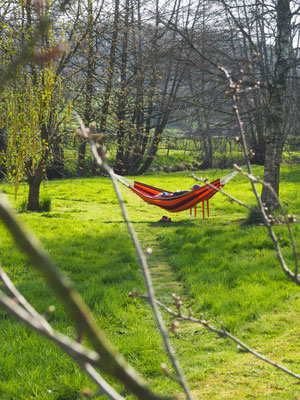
(222, 268)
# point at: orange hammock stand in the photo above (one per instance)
(177, 202)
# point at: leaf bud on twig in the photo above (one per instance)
(79, 336)
(291, 218)
(237, 139)
(175, 326)
(165, 369)
(86, 392)
(257, 85)
(50, 310)
(45, 56)
(175, 297)
(241, 349)
(149, 251)
(271, 219)
(133, 294)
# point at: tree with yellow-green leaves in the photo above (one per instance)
(31, 112)
(34, 107)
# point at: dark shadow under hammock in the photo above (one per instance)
(176, 202)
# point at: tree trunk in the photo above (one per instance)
(89, 89)
(275, 135)
(34, 182)
(2, 151)
(120, 167)
(55, 168)
(110, 69)
(33, 198)
(208, 152)
(272, 169)
(81, 157)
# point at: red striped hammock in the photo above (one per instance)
(180, 202)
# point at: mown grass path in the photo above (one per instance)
(216, 369)
(258, 311)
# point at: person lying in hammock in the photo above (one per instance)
(177, 192)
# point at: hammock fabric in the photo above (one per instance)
(176, 203)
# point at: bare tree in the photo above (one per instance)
(270, 32)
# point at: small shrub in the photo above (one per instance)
(254, 217)
(45, 203)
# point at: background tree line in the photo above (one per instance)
(132, 68)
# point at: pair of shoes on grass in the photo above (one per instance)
(165, 219)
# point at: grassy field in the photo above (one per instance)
(222, 268)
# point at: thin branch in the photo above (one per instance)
(234, 91)
(286, 217)
(99, 155)
(221, 333)
(83, 357)
(104, 386)
(107, 358)
(40, 325)
(224, 193)
(13, 291)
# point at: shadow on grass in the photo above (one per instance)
(100, 261)
(231, 270)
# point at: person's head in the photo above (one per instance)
(196, 186)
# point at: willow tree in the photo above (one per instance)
(31, 115)
(33, 103)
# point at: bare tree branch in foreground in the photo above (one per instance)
(99, 156)
(221, 332)
(103, 355)
(234, 93)
(18, 306)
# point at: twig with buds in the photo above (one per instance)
(234, 91)
(18, 306)
(222, 191)
(99, 156)
(221, 332)
(102, 355)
